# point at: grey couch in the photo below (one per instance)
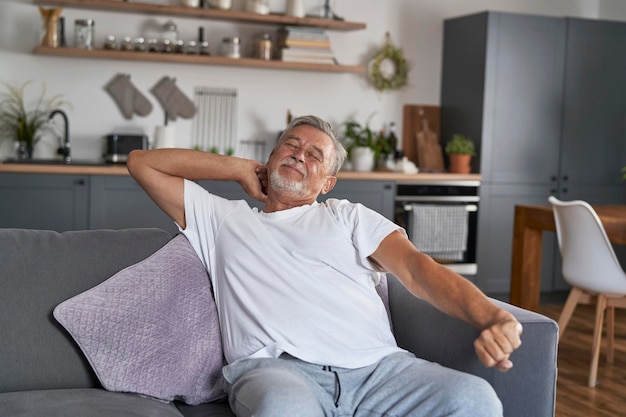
(43, 372)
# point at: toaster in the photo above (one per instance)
(118, 146)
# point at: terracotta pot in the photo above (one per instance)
(460, 164)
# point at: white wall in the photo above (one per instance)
(264, 95)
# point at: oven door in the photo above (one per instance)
(443, 227)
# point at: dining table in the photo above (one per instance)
(530, 222)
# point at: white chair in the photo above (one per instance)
(592, 269)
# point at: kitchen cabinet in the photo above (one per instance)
(118, 202)
(544, 97)
(203, 13)
(76, 202)
(40, 201)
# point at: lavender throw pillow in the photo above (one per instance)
(152, 328)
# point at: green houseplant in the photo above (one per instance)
(25, 126)
(363, 145)
(460, 151)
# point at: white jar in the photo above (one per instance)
(258, 7)
(221, 4)
(191, 3)
(295, 8)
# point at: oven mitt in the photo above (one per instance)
(174, 102)
(127, 97)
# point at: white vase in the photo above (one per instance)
(362, 158)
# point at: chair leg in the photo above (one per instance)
(597, 339)
(610, 334)
(568, 309)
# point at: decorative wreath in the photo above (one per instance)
(388, 70)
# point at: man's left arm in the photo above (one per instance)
(455, 296)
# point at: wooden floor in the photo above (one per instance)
(573, 397)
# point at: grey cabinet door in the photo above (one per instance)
(48, 202)
(117, 202)
(502, 84)
(495, 236)
(523, 99)
(594, 118)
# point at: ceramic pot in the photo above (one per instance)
(362, 158)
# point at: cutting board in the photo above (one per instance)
(429, 153)
(414, 117)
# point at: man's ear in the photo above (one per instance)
(329, 184)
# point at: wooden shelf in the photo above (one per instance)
(203, 13)
(193, 59)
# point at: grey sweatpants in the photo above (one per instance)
(401, 385)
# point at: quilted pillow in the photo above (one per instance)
(152, 328)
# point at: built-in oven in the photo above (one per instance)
(441, 219)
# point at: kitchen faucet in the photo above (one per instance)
(64, 149)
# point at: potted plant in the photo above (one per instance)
(21, 125)
(460, 151)
(364, 146)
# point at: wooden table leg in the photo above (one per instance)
(526, 262)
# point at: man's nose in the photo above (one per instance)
(298, 154)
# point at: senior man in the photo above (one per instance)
(303, 329)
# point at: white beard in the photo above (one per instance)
(295, 188)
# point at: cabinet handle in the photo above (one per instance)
(565, 177)
(553, 178)
(565, 190)
(80, 182)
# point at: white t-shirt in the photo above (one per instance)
(295, 281)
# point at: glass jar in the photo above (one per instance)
(264, 47)
(204, 48)
(110, 42)
(84, 33)
(140, 44)
(191, 47)
(179, 46)
(170, 32)
(230, 47)
(153, 45)
(167, 46)
(127, 44)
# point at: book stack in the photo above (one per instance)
(299, 44)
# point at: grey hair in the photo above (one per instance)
(340, 153)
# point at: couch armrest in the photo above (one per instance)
(529, 389)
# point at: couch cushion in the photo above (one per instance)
(152, 328)
(39, 269)
(90, 402)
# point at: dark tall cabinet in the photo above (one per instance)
(545, 100)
